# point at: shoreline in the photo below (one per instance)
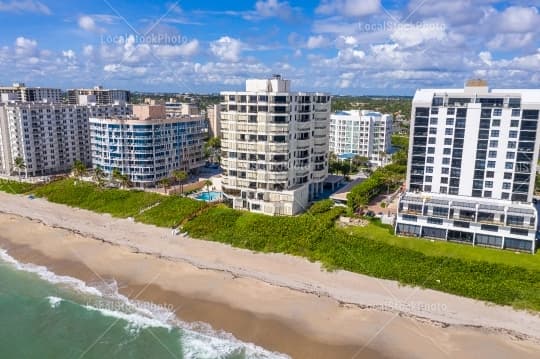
(319, 298)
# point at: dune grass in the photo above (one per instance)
(15, 187)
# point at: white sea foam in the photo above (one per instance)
(49, 276)
(54, 301)
(199, 340)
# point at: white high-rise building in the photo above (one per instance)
(97, 95)
(472, 165)
(19, 92)
(49, 137)
(149, 145)
(213, 114)
(363, 133)
(274, 146)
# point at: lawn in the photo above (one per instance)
(15, 187)
(383, 233)
(315, 237)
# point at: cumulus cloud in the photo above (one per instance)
(70, 54)
(188, 49)
(227, 48)
(25, 47)
(350, 8)
(318, 41)
(21, 6)
(87, 23)
(273, 8)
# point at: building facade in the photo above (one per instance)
(363, 133)
(97, 95)
(213, 114)
(274, 146)
(20, 93)
(472, 164)
(148, 146)
(49, 137)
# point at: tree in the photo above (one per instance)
(382, 156)
(116, 175)
(78, 169)
(19, 165)
(99, 176)
(125, 181)
(207, 184)
(212, 148)
(360, 161)
(165, 182)
(180, 176)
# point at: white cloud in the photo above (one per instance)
(70, 54)
(318, 41)
(519, 19)
(20, 6)
(409, 35)
(271, 8)
(25, 47)
(511, 41)
(486, 58)
(349, 8)
(227, 48)
(188, 49)
(88, 50)
(87, 23)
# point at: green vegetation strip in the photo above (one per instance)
(15, 187)
(314, 236)
(491, 275)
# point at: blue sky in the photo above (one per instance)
(339, 46)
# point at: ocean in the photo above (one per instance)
(44, 315)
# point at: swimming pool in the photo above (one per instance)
(210, 196)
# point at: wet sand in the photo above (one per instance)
(300, 324)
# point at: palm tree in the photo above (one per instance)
(207, 184)
(99, 176)
(180, 176)
(165, 182)
(125, 182)
(116, 175)
(19, 166)
(78, 169)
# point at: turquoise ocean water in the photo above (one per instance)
(43, 315)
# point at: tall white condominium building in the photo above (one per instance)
(213, 114)
(97, 95)
(19, 92)
(472, 167)
(148, 145)
(363, 133)
(274, 146)
(49, 137)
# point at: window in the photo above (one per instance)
(511, 144)
(488, 227)
(493, 143)
(443, 189)
(446, 161)
(431, 150)
(433, 121)
(449, 122)
(445, 170)
(432, 140)
(516, 112)
(448, 131)
(505, 195)
(428, 179)
(448, 142)
(487, 194)
(494, 133)
(429, 159)
(507, 175)
(435, 220)
(492, 154)
(497, 112)
(496, 123)
(490, 174)
(514, 123)
(451, 111)
(444, 180)
(408, 217)
(429, 169)
(489, 184)
(507, 185)
(510, 155)
(491, 164)
(508, 165)
(435, 110)
(513, 134)
(447, 151)
(433, 130)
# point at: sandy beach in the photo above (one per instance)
(279, 302)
